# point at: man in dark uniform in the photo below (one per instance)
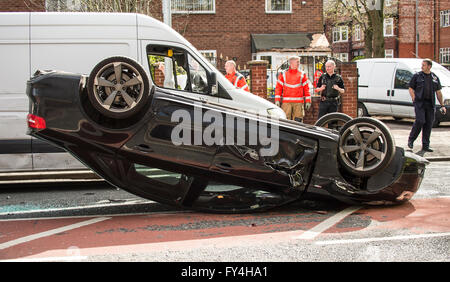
(330, 85)
(423, 87)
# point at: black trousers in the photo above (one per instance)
(424, 122)
(327, 106)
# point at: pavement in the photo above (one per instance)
(439, 141)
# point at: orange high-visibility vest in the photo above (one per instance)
(317, 75)
(238, 80)
(292, 87)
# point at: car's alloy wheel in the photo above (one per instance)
(333, 120)
(118, 87)
(366, 146)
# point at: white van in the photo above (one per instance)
(383, 87)
(76, 42)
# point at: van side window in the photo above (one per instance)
(173, 68)
(402, 79)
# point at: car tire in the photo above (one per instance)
(436, 123)
(362, 110)
(366, 146)
(333, 120)
(118, 87)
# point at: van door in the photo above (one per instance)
(380, 88)
(401, 102)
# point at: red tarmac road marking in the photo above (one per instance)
(178, 231)
(144, 229)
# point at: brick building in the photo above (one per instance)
(347, 40)
(442, 36)
(227, 31)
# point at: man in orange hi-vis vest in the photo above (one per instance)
(237, 79)
(292, 91)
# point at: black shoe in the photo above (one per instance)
(410, 145)
(427, 149)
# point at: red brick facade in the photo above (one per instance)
(22, 5)
(407, 29)
(431, 37)
(442, 33)
(258, 77)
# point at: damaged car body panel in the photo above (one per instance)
(233, 174)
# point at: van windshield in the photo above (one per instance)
(442, 73)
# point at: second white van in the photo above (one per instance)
(383, 87)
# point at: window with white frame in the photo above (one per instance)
(444, 55)
(445, 18)
(62, 5)
(389, 53)
(388, 27)
(357, 33)
(210, 55)
(387, 3)
(278, 6)
(340, 33)
(193, 6)
(343, 57)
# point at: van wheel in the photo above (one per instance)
(436, 123)
(366, 146)
(362, 111)
(333, 120)
(118, 87)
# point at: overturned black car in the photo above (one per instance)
(194, 154)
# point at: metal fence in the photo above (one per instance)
(308, 64)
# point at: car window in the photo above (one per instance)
(402, 79)
(160, 175)
(173, 68)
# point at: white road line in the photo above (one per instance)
(103, 205)
(98, 215)
(324, 225)
(367, 240)
(50, 232)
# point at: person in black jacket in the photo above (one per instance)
(423, 88)
(331, 86)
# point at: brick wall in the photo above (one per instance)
(258, 77)
(407, 29)
(22, 5)
(443, 32)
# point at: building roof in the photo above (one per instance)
(289, 41)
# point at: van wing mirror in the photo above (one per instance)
(212, 83)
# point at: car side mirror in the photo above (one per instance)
(212, 84)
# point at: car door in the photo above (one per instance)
(257, 150)
(380, 88)
(401, 102)
(156, 61)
